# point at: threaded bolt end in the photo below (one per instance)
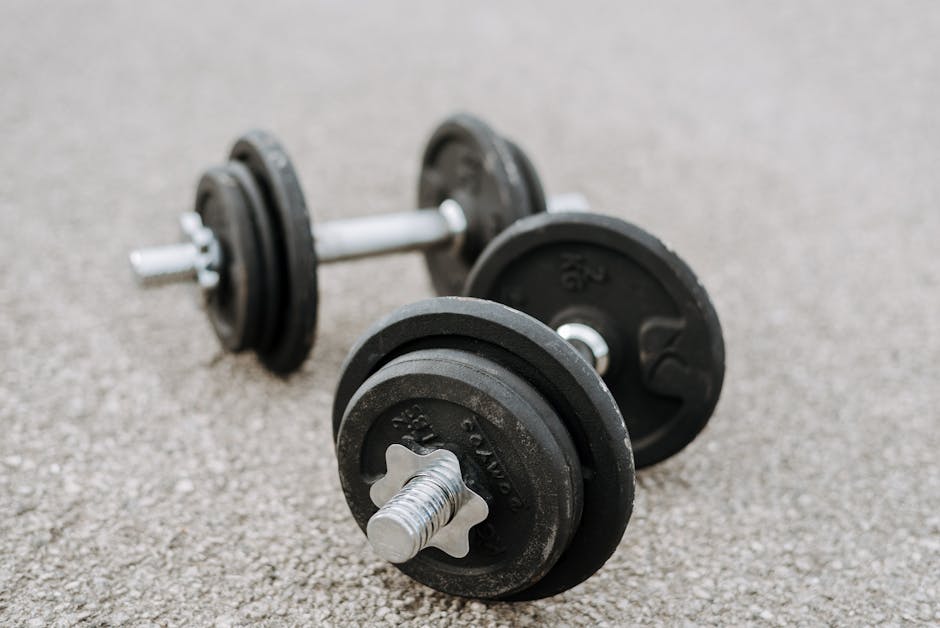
(425, 504)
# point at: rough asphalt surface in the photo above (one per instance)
(791, 154)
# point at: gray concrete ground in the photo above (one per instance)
(789, 152)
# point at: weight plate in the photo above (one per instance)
(540, 357)
(666, 346)
(297, 305)
(233, 306)
(465, 160)
(537, 202)
(264, 333)
(513, 451)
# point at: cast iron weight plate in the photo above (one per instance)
(666, 346)
(233, 305)
(291, 334)
(539, 356)
(469, 162)
(513, 450)
(530, 176)
(262, 334)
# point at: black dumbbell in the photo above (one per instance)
(629, 304)
(480, 452)
(251, 246)
(488, 437)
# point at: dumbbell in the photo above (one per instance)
(250, 245)
(479, 448)
(479, 452)
(631, 306)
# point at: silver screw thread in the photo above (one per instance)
(405, 524)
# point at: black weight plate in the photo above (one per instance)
(233, 306)
(537, 202)
(264, 334)
(667, 351)
(465, 160)
(537, 354)
(297, 307)
(513, 451)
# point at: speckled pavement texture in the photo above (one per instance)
(790, 153)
